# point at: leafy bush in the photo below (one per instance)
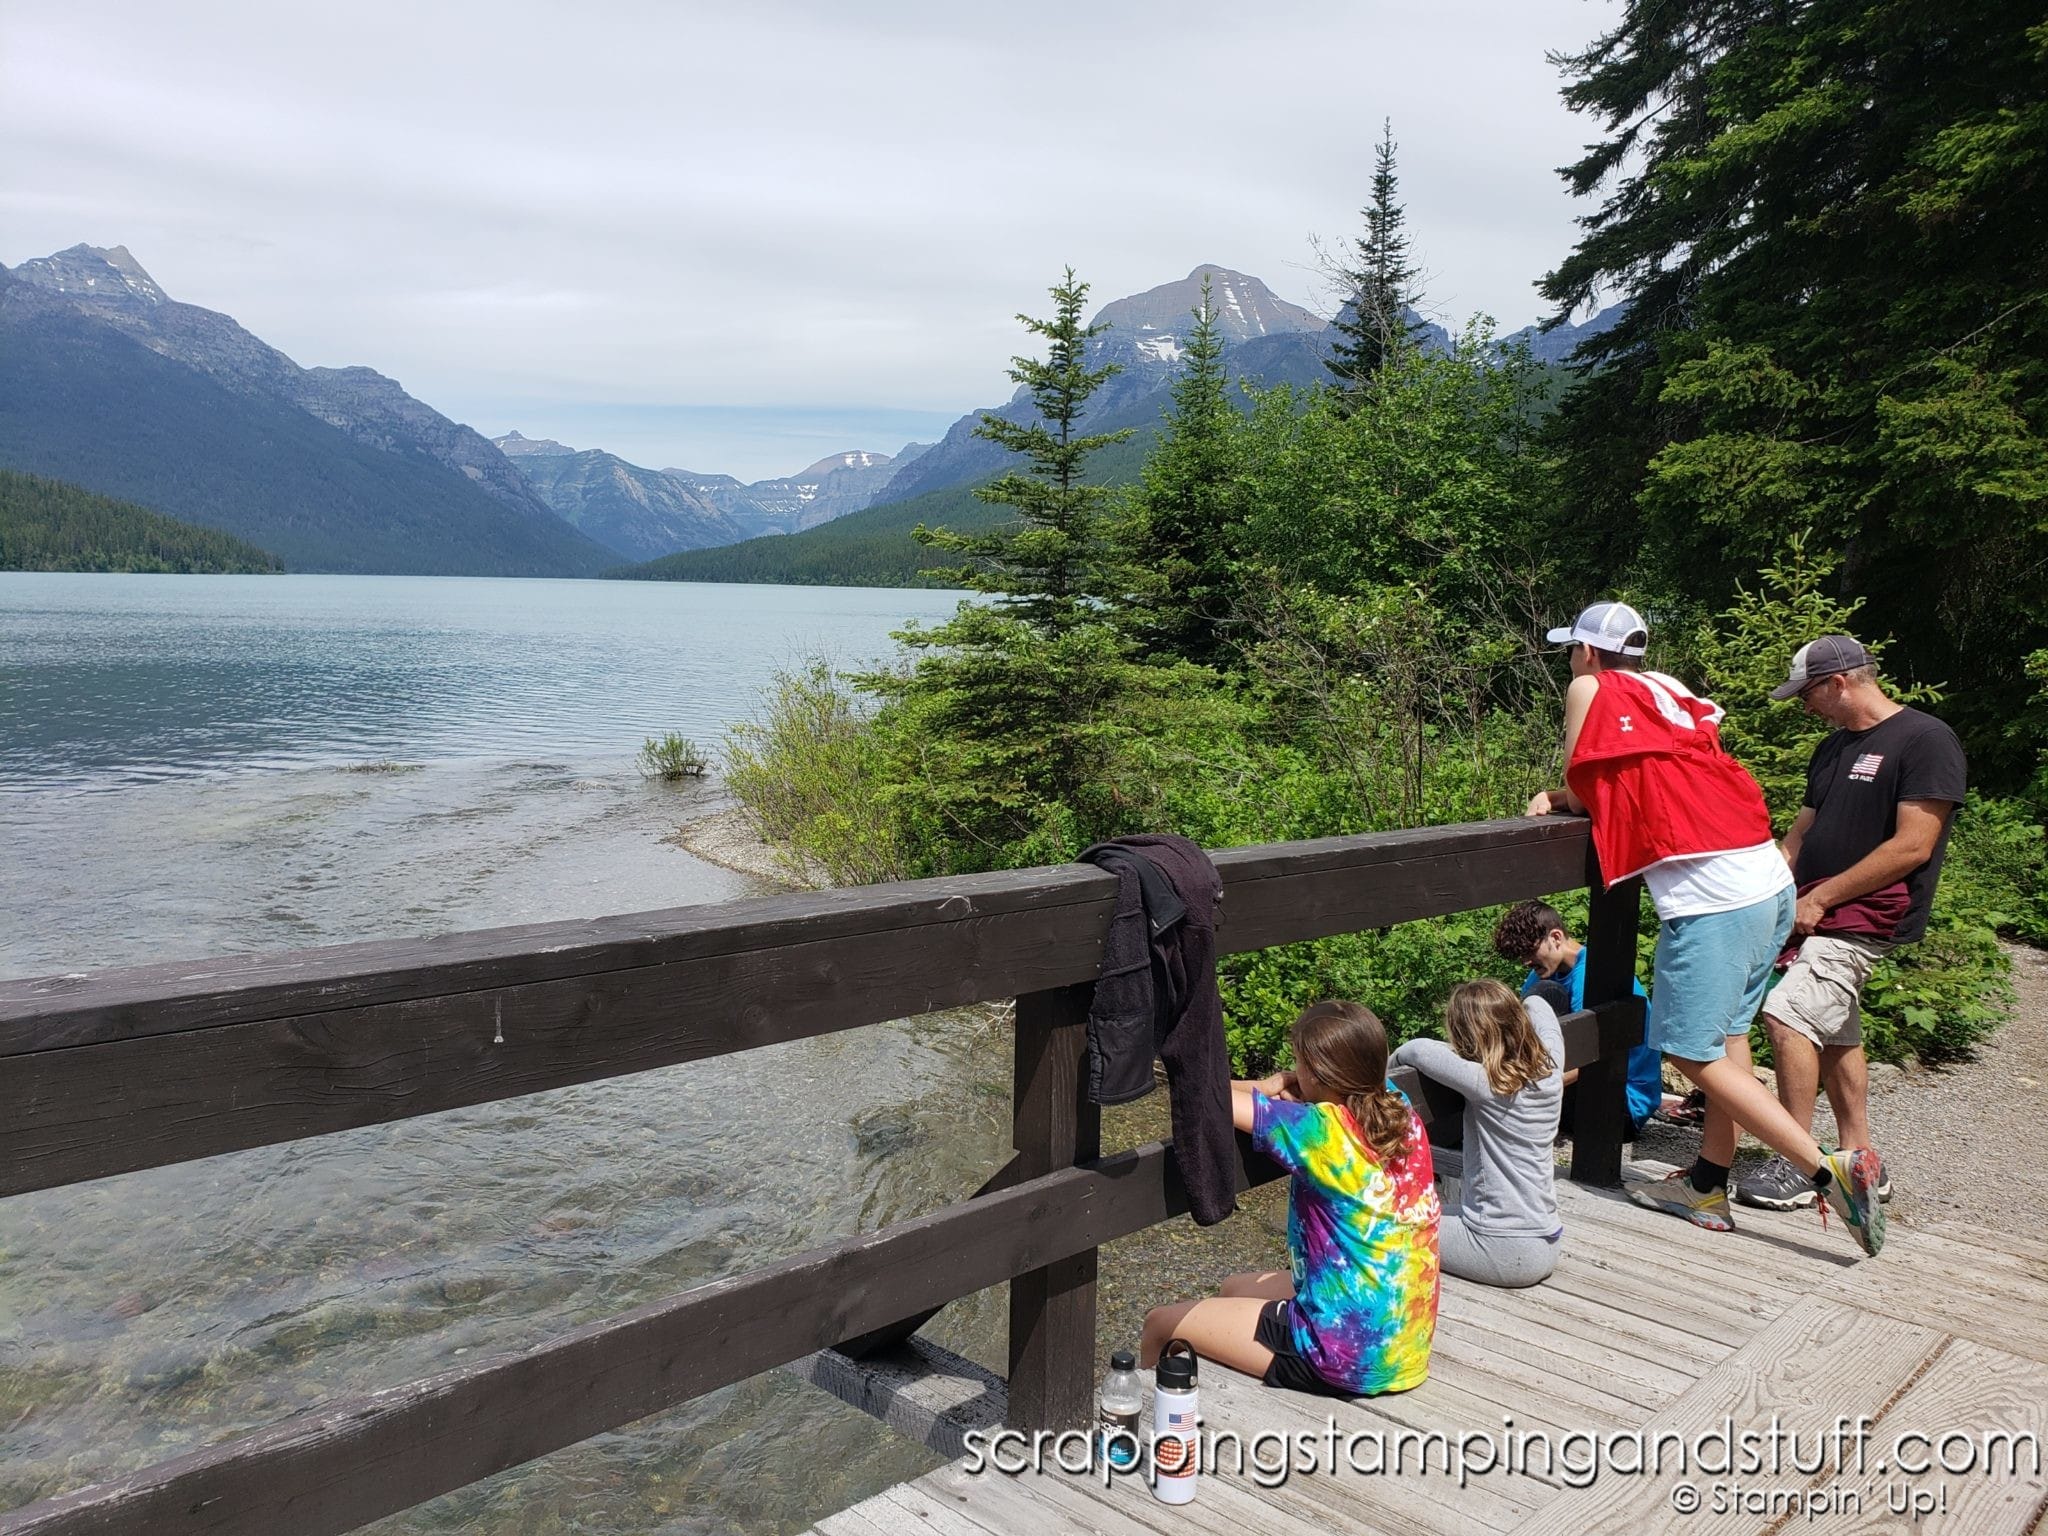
(671, 757)
(818, 778)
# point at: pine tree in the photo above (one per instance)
(1827, 221)
(1179, 534)
(1050, 570)
(1018, 699)
(1379, 283)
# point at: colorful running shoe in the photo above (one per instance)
(1852, 1194)
(1674, 1193)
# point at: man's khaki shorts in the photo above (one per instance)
(1820, 995)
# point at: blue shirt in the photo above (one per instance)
(1645, 1066)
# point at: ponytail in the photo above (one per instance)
(1345, 1046)
(1385, 1120)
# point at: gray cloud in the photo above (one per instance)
(786, 206)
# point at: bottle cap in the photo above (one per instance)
(1177, 1371)
(1123, 1360)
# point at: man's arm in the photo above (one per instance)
(1578, 703)
(1795, 838)
(1915, 834)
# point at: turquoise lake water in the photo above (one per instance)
(200, 765)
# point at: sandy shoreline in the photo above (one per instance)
(727, 837)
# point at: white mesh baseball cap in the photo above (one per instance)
(1607, 627)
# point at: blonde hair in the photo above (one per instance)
(1345, 1046)
(1487, 1023)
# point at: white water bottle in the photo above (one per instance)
(1122, 1404)
(1175, 1449)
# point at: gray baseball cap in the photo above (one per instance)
(1606, 627)
(1821, 658)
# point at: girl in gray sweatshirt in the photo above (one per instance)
(1506, 1057)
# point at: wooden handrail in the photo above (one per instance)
(131, 1069)
(340, 1466)
(137, 1068)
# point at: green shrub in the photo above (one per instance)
(820, 779)
(671, 757)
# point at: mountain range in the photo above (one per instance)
(108, 383)
(644, 514)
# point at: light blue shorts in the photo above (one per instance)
(1711, 974)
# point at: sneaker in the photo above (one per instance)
(1852, 1195)
(1776, 1186)
(1674, 1193)
(1882, 1182)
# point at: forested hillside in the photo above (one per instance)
(46, 525)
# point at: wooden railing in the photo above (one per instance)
(109, 1073)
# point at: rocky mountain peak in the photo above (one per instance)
(1245, 307)
(92, 274)
(855, 458)
(515, 446)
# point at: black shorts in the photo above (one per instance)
(1288, 1369)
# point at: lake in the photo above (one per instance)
(199, 765)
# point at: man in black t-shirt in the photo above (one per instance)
(1866, 851)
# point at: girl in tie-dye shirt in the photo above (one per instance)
(1359, 1311)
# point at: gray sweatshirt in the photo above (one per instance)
(1508, 1188)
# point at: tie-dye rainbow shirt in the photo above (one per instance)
(1364, 1238)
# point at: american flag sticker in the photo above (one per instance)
(1864, 769)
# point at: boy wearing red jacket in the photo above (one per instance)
(1644, 761)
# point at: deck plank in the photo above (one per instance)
(1550, 1343)
(1819, 1360)
(1426, 1502)
(1648, 1324)
(1969, 1385)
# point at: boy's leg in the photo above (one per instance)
(1738, 1098)
(1718, 1138)
(1221, 1328)
(1712, 970)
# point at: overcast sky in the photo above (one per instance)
(738, 236)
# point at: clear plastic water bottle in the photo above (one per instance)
(1118, 1410)
(1175, 1452)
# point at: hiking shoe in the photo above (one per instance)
(1674, 1193)
(1882, 1181)
(1852, 1195)
(1776, 1186)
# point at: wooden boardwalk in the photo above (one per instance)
(1650, 1325)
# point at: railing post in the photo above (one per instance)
(1600, 1123)
(1052, 1310)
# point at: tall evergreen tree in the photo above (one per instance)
(1830, 223)
(1179, 532)
(1379, 282)
(1017, 697)
(1051, 569)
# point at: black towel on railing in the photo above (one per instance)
(1157, 996)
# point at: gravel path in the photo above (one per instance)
(1943, 1130)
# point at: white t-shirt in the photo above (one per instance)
(1695, 884)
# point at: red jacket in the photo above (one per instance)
(1651, 771)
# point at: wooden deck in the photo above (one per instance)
(1649, 1324)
